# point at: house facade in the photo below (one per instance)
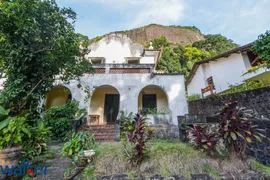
(216, 74)
(125, 80)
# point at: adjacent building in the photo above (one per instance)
(216, 74)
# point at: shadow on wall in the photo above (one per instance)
(58, 96)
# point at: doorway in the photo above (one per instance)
(111, 108)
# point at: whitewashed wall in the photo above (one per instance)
(115, 47)
(129, 87)
(225, 71)
(197, 82)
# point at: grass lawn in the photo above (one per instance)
(169, 157)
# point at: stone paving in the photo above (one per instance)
(58, 165)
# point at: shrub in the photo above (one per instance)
(235, 128)
(139, 137)
(194, 97)
(249, 85)
(36, 144)
(12, 129)
(127, 124)
(78, 142)
(202, 138)
(59, 118)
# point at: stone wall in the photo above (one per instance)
(256, 100)
(166, 131)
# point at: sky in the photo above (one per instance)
(239, 20)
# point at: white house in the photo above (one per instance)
(125, 80)
(224, 70)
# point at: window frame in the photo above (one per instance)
(143, 101)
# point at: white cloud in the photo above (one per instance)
(166, 12)
(240, 20)
(143, 12)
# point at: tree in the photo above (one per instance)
(159, 42)
(262, 47)
(170, 61)
(38, 45)
(193, 55)
(215, 44)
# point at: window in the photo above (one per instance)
(149, 101)
(97, 60)
(133, 60)
(253, 58)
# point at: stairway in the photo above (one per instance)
(103, 133)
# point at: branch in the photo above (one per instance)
(45, 49)
(42, 50)
(2, 75)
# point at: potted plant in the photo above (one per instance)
(12, 132)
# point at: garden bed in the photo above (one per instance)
(170, 157)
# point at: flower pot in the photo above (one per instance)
(10, 156)
(89, 153)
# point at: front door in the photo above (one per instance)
(111, 108)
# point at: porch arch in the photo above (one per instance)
(104, 105)
(58, 96)
(153, 96)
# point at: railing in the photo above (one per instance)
(122, 68)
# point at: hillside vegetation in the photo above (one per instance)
(177, 58)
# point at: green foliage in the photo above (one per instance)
(84, 40)
(14, 132)
(171, 59)
(153, 111)
(88, 173)
(215, 44)
(262, 47)
(179, 59)
(159, 42)
(249, 85)
(38, 44)
(255, 68)
(192, 28)
(127, 124)
(193, 55)
(36, 145)
(58, 118)
(256, 166)
(194, 97)
(211, 170)
(12, 129)
(78, 142)
(97, 39)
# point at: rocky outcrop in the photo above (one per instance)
(175, 34)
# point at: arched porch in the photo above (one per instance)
(58, 96)
(104, 105)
